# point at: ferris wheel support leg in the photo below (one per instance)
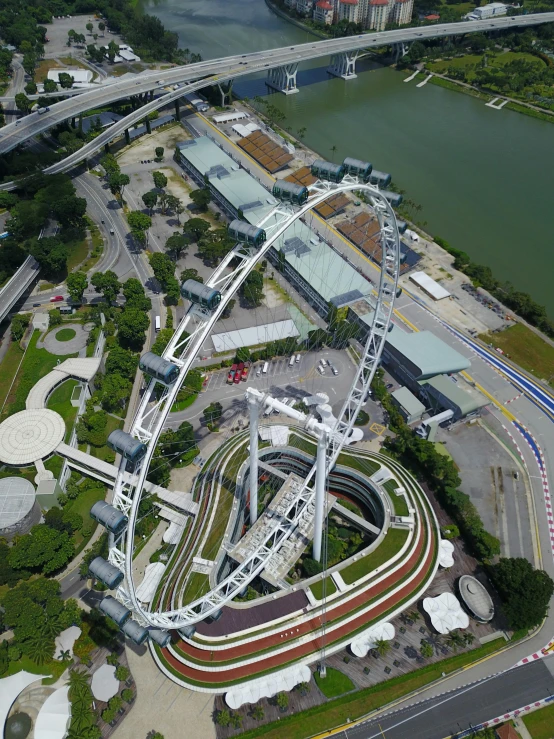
(254, 406)
(320, 482)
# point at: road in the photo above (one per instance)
(458, 711)
(18, 284)
(218, 70)
(16, 86)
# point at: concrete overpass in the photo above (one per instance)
(18, 285)
(343, 52)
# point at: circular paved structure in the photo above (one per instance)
(78, 342)
(17, 497)
(28, 436)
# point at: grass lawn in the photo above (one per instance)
(525, 348)
(36, 364)
(468, 60)
(104, 452)
(317, 588)
(8, 368)
(398, 501)
(97, 247)
(66, 334)
(197, 585)
(180, 405)
(78, 252)
(391, 544)
(353, 706)
(52, 671)
(334, 684)
(540, 724)
(82, 506)
(60, 401)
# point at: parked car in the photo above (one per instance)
(57, 299)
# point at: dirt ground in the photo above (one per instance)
(144, 147)
(57, 33)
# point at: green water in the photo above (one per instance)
(485, 178)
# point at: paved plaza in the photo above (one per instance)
(63, 348)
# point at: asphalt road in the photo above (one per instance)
(458, 711)
(18, 284)
(218, 70)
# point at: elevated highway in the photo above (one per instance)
(18, 285)
(219, 70)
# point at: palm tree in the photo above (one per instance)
(41, 648)
(382, 646)
(78, 682)
(333, 149)
(455, 639)
(65, 654)
(468, 638)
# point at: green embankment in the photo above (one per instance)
(391, 544)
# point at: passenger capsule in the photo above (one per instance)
(357, 168)
(383, 179)
(328, 171)
(115, 610)
(107, 573)
(126, 445)
(158, 368)
(245, 233)
(110, 517)
(202, 295)
(135, 632)
(394, 198)
(290, 192)
(160, 637)
(402, 226)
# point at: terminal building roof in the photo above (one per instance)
(465, 397)
(428, 355)
(325, 270)
(408, 401)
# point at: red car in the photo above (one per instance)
(238, 373)
(57, 298)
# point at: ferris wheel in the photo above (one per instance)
(207, 304)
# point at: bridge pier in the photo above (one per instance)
(147, 124)
(177, 110)
(127, 137)
(283, 79)
(400, 50)
(344, 65)
(226, 91)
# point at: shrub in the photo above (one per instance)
(127, 695)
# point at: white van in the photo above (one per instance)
(291, 361)
(265, 368)
(321, 370)
(298, 356)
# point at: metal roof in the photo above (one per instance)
(427, 352)
(467, 398)
(254, 336)
(17, 497)
(407, 400)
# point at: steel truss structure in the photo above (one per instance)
(184, 346)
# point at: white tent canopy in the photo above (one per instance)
(366, 641)
(446, 550)
(11, 687)
(446, 613)
(53, 717)
(152, 576)
(65, 641)
(104, 683)
(276, 435)
(267, 687)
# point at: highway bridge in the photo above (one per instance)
(16, 287)
(343, 52)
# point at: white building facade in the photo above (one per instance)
(374, 15)
(324, 12)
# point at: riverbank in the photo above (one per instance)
(285, 16)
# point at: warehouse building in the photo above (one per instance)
(411, 408)
(455, 394)
(314, 269)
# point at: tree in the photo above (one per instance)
(135, 297)
(252, 289)
(139, 221)
(50, 86)
(77, 283)
(201, 198)
(173, 203)
(160, 180)
(525, 592)
(150, 199)
(19, 325)
(318, 338)
(196, 228)
(228, 308)
(159, 153)
(66, 80)
(132, 328)
(51, 254)
(30, 88)
(117, 182)
(163, 267)
(29, 63)
(176, 244)
(178, 208)
(78, 683)
(223, 718)
(191, 274)
(43, 550)
(213, 412)
(127, 695)
(110, 164)
(121, 362)
(101, 27)
(113, 50)
(108, 284)
(89, 28)
(22, 102)
(115, 392)
(122, 673)
(257, 713)
(426, 649)
(32, 608)
(382, 646)
(242, 355)
(282, 700)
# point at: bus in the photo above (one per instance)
(231, 375)
(158, 324)
(265, 368)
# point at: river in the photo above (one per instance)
(485, 178)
